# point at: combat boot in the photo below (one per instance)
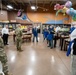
(20, 50)
(8, 73)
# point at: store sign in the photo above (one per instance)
(5, 21)
(13, 21)
(19, 18)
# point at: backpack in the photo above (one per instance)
(74, 47)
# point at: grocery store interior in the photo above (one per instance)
(38, 57)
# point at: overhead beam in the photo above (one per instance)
(14, 1)
(51, 3)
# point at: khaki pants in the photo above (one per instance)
(73, 65)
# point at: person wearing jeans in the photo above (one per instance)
(36, 38)
(50, 39)
(35, 34)
(45, 33)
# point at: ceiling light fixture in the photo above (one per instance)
(33, 7)
(9, 6)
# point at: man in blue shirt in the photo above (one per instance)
(35, 34)
(50, 39)
(45, 33)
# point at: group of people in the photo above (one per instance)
(3, 57)
(50, 35)
(4, 41)
(17, 32)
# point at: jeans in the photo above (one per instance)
(51, 43)
(36, 38)
(5, 39)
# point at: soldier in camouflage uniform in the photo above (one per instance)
(3, 58)
(18, 33)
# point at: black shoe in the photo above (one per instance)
(7, 44)
(51, 47)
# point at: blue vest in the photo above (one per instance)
(50, 36)
(45, 33)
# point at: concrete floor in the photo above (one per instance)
(37, 59)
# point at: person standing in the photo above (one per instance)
(51, 28)
(50, 37)
(35, 34)
(3, 58)
(56, 35)
(45, 33)
(5, 34)
(18, 33)
(72, 49)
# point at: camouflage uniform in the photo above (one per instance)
(73, 65)
(3, 58)
(18, 33)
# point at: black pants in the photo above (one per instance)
(55, 40)
(5, 39)
(14, 37)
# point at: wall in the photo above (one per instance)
(47, 16)
(37, 16)
(4, 15)
(12, 15)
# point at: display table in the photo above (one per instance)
(27, 36)
(62, 37)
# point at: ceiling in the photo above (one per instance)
(27, 1)
(34, 1)
(23, 3)
(16, 2)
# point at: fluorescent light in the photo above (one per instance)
(33, 7)
(9, 6)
